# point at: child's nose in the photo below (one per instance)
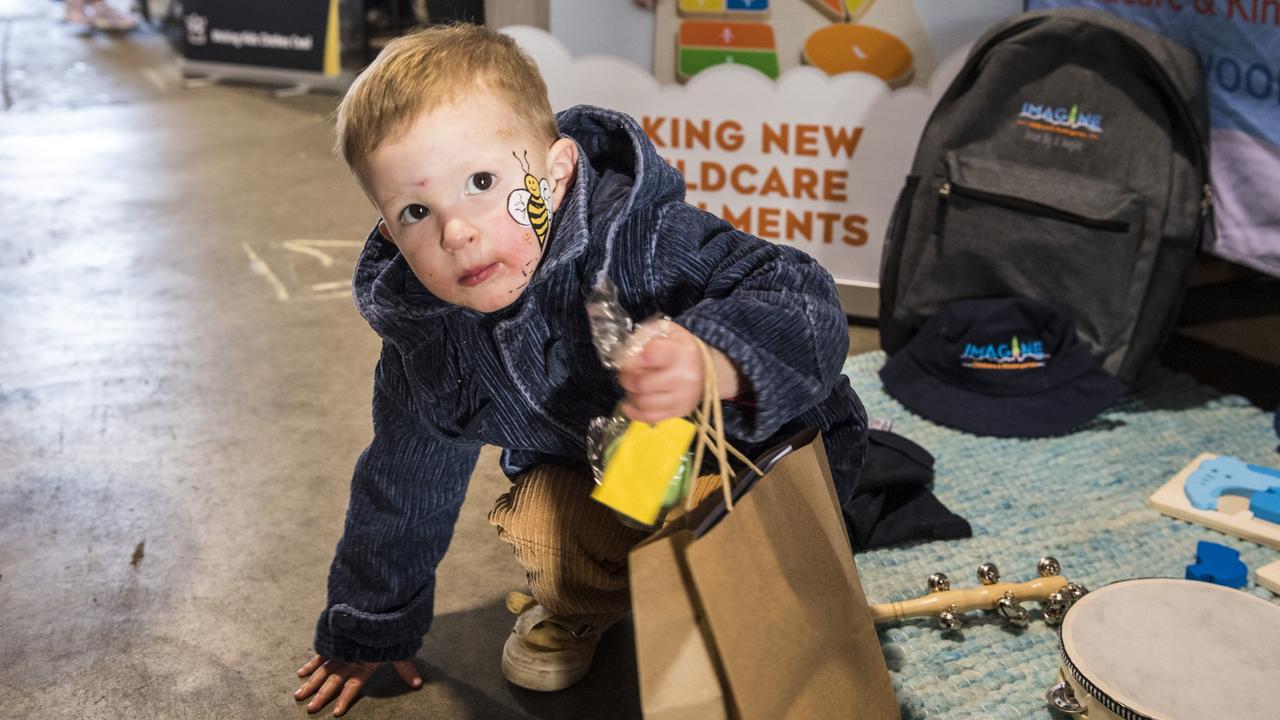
(458, 233)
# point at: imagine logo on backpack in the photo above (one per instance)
(1060, 119)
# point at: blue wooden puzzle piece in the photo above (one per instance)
(1213, 553)
(1227, 476)
(1266, 505)
(1218, 564)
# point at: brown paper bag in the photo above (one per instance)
(761, 615)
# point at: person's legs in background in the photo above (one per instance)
(99, 14)
(74, 12)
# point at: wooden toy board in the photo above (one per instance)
(792, 22)
(1231, 517)
(704, 43)
(741, 9)
(1268, 576)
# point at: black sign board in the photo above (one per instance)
(289, 34)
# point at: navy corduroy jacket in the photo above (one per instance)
(527, 378)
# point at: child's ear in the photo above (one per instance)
(385, 231)
(562, 164)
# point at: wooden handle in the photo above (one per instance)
(983, 597)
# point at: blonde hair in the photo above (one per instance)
(428, 68)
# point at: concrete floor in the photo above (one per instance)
(184, 387)
(183, 392)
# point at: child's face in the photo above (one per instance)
(466, 196)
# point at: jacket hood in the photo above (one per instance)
(619, 173)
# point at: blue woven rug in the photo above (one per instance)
(1081, 498)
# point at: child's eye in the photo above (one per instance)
(414, 213)
(479, 182)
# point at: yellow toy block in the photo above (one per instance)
(641, 468)
(701, 7)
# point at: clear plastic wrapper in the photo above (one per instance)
(615, 337)
(602, 435)
(611, 327)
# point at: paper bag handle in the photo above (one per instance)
(709, 418)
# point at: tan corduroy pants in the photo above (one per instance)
(573, 549)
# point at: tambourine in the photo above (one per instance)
(1161, 649)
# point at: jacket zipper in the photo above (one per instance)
(947, 189)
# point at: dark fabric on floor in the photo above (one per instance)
(893, 503)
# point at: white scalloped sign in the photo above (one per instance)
(809, 160)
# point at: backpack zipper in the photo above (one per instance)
(939, 217)
(948, 189)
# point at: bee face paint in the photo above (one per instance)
(530, 205)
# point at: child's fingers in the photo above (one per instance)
(313, 683)
(637, 381)
(350, 691)
(660, 352)
(660, 378)
(408, 673)
(331, 686)
(645, 335)
(654, 401)
(651, 350)
(638, 415)
(656, 409)
(311, 666)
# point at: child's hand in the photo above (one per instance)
(664, 380)
(330, 676)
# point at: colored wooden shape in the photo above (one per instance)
(1218, 564)
(1232, 517)
(858, 8)
(694, 60)
(1268, 576)
(709, 34)
(701, 7)
(860, 48)
(748, 8)
(1228, 476)
(1266, 505)
(641, 466)
(833, 9)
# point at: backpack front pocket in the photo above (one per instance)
(1004, 229)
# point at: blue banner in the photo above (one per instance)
(1238, 45)
(1237, 41)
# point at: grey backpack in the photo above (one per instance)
(1066, 162)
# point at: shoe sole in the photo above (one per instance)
(541, 678)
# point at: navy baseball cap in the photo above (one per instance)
(1008, 367)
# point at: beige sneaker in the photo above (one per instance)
(546, 652)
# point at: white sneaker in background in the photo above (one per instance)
(107, 17)
(75, 14)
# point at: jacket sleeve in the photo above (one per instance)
(771, 309)
(405, 494)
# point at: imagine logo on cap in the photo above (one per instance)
(1013, 355)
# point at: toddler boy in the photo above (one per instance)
(497, 219)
